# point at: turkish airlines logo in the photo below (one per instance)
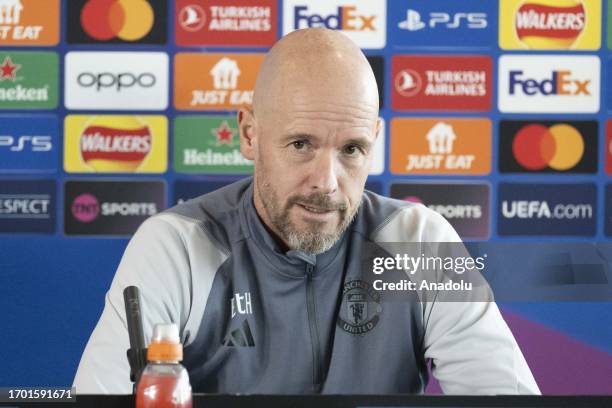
(192, 17)
(226, 22)
(441, 83)
(440, 146)
(228, 83)
(549, 84)
(117, 21)
(116, 80)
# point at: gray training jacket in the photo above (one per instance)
(256, 320)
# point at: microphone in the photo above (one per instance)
(137, 353)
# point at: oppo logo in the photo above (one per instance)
(19, 144)
(103, 80)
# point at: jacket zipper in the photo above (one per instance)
(314, 331)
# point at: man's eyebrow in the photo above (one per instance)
(298, 136)
(361, 141)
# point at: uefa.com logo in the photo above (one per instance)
(363, 21)
(116, 80)
(547, 209)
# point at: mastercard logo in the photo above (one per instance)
(559, 147)
(128, 20)
(550, 24)
(115, 144)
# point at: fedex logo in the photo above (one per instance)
(363, 21)
(549, 83)
(560, 83)
(345, 18)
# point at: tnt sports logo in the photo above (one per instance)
(559, 147)
(117, 21)
(226, 22)
(116, 80)
(550, 24)
(548, 146)
(451, 21)
(363, 21)
(441, 82)
(465, 206)
(215, 81)
(85, 208)
(110, 207)
(440, 146)
(549, 84)
(28, 22)
(115, 144)
(547, 209)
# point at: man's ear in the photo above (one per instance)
(246, 125)
(378, 129)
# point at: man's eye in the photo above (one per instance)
(352, 150)
(299, 144)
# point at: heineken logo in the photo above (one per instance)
(208, 144)
(28, 80)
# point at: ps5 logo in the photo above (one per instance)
(413, 20)
(18, 144)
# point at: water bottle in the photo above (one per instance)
(164, 381)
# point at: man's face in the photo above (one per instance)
(312, 158)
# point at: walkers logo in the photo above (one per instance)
(550, 24)
(441, 83)
(116, 80)
(110, 207)
(208, 144)
(115, 144)
(226, 22)
(440, 146)
(465, 206)
(548, 147)
(29, 22)
(29, 143)
(215, 81)
(27, 206)
(186, 190)
(361, 20)
(117, 21)
(28, 80)
(442, 23)
(547, 209)
(549, 84)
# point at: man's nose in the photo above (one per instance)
(323, 175)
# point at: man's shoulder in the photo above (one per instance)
(213, 216)
(385, 219)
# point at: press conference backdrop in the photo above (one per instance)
(496, 115)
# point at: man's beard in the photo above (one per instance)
(310, 239)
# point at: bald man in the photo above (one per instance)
(264, 277)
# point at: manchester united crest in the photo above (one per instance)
(360, 310)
